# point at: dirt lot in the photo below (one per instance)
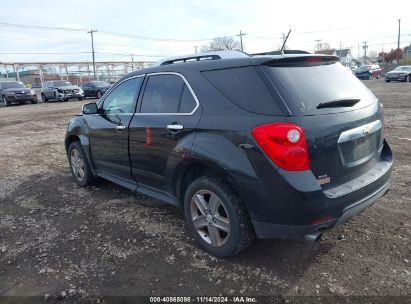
(62, 241)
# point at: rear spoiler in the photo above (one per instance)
(298, 60)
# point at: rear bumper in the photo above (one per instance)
(269, 230)
(290, 204)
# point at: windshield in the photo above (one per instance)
(12, 85)
(100, 84)
(61, 83)
(306, 86)
(364, 68)
(403, 68)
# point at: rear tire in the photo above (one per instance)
(216, 217)
(387, 80)
(79, 166)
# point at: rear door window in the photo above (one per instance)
(306, 86)
(167, 94)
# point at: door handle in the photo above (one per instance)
(175, 127)
(120, 127)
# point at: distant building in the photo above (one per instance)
(345, 56)
(32, 77)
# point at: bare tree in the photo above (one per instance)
(221, 44)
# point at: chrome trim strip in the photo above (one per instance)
(189, 87)
(360, 131)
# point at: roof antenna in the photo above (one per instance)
(285, 40)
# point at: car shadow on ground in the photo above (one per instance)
(66, 206)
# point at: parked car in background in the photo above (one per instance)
(246, 146)
(16, 92)
(60, 90)
(368, 71)
(401, 73)
(95, 88)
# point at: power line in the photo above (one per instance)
(25, 26)
(110, 33)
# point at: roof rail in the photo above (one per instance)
(281, 53)
(203, 56)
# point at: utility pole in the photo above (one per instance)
(92, 50)
(132, 60)
(365, 46)
(398, 48)
(241, 40)
(318, 44)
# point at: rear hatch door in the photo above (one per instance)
(342, 119)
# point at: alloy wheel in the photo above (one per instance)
(77, 165)
(210, 218)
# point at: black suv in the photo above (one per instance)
(95, 88)
(16, 92)
(272, 146)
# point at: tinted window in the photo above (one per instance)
(61, 83)
(12, 85)
(121, 99)
(244, 87)
(162, 94)
(187, 103)
(309, 85)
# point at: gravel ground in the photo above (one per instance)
(60, 241)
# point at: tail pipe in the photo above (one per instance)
(313, 237)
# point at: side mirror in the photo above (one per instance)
(89, 108)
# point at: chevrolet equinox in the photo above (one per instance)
(276, 145)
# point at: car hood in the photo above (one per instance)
(20, 90)
(68, 87)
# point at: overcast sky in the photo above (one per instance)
(189, 23)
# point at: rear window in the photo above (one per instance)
(244, 87)
(306, 86)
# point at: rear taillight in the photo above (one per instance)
(284, 143)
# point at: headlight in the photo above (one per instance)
(32, 92)
(80, 91)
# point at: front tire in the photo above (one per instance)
(44, 98)
(79, 166)
(216, 217)
(6, 103)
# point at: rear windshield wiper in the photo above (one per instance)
(344, 102)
